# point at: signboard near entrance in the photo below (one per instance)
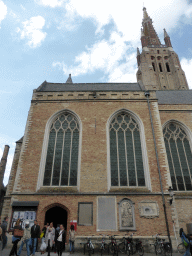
(74, 223)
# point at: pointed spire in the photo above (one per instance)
(69, 80)
(145, 14)
(151, 37)
(167, 39)
(138, 52)
(165, 33)
(138, 57)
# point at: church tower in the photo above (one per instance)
(158, 65)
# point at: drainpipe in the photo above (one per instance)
(147, 94)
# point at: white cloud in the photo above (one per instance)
(32, 30)
(127, 18)
(51, 3)
(187, 67)
(3, 11)
(115, 56)
(106, 56)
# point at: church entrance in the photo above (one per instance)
(57, 215)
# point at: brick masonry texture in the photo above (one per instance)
(93, 172)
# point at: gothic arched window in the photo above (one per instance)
(179, 156)
(62, 152)
(126, 160)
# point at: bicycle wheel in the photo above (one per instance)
(101, 251)
(158, 249)
(122, 247)
(140, 251)
(181, 248)
(128, 249)
(111, 248)
(168, 252)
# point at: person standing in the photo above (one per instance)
(60, 240)
(35, 234)
(4, 232)
(44, 229)
(50, 237)
(15, 239)
(71, 238)
(25, 239)
(185, 241)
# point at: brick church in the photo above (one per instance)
(109, 157)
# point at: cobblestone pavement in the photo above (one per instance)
(6, 252)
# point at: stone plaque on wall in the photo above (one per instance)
(106, 217)
(126, 215)
(85, 214)
(149, 209)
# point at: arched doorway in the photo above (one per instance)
(57, 215)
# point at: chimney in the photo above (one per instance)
(3, 164)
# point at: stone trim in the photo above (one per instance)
(17, 187)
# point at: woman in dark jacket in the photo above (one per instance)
(60, 240)
(15, 239)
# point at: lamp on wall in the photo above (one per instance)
(171, 193)
(94, 95)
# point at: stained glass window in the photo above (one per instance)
(62, 152)
(125, 152)
(179, 156)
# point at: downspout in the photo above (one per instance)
(147, 94)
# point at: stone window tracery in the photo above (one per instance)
(62, 152)
(126, 161)
(179, 156)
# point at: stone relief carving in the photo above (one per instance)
(126, 215)
(149, 209)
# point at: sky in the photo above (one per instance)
(94, 40)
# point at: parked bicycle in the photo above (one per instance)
(162, 247)
(128, 246)
(103, 245)
(181, 248)
(113, 247)
(89, 246)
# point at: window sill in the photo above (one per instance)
(57, 190)
(129, 189)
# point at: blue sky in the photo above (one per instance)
(94, 40)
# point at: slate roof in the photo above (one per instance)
(83, 87)
(164, 97)
(174, 97)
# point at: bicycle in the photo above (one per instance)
(113, 247)
(103, 245)
(129, 247)
(89, 245)
(162, 247)
(181, 248)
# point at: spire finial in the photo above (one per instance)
(69, 80)
(165, 33)
(145, 14)
(138, 52)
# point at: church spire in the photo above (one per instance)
(151, 37)
(69, 80)
(167, 39)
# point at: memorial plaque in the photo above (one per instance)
(85, 214)
(126, 215)
(106, 219)
(149, 209)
